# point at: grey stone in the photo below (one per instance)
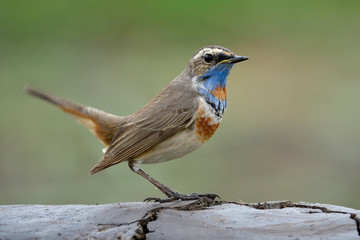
(180, 220)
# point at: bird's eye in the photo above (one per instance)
(208, 57)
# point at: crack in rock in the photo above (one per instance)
(286, 204)
(137, 230)
(153, 214)
(119, 231)
(357, 220)
(142, 230)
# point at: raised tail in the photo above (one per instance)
(102, 124)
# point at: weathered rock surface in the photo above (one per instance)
(180, 220)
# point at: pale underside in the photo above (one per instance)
(182, 143)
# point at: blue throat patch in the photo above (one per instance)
(216, 76)
(212, 79)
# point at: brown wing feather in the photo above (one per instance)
(152, 124)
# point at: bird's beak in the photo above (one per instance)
(237, 59)
(234, 59)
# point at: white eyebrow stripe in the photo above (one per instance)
(210, 50)
(200, 54)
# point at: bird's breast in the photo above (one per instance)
(206, 122)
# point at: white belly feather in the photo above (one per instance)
(176, 146)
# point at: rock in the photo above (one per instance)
(201, 219)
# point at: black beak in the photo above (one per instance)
(237, 59)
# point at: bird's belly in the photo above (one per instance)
(180, 144)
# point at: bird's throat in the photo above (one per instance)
(215, 77)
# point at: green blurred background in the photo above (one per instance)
(291, 130)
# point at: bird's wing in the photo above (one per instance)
(157, 121)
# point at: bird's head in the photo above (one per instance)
(211, 60)
(210, 66)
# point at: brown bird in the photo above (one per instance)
(183, 116)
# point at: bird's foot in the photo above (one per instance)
(183, 197)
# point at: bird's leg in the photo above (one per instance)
(171, 194)
(167, 191)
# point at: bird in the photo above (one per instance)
(181, 118)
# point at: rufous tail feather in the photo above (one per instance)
(103, 125)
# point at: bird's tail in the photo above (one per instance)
(102, 124)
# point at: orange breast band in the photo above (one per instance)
(205, 126)
(219, 93)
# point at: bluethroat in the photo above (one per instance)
(183, 116)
